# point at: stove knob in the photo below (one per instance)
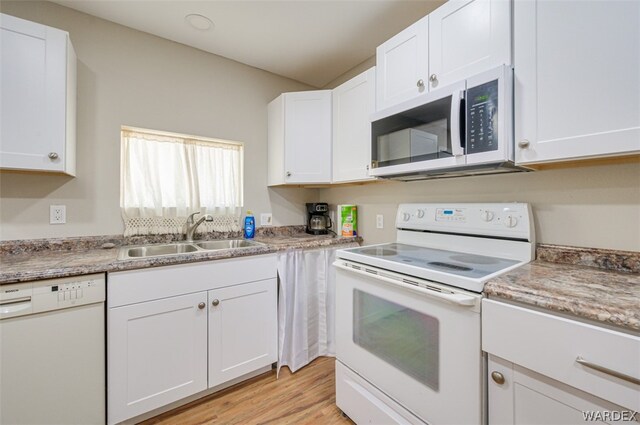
(420, 213)
(487, 215)
(510, 220)
(406, 216)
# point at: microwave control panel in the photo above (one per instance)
(482, 117)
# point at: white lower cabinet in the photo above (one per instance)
(157, 354)
(242, 325)
(527, 397)
(176, 331)
(546, 369)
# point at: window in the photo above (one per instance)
(165, 177)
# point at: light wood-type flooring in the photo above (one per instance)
(306, 397)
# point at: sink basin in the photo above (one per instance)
(227, 244)
(182, 248)
(154, 250)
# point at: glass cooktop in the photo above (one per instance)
(452, 262)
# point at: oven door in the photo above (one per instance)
(420, 346)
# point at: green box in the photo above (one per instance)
(347, 220)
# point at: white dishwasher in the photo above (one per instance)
(52, 351)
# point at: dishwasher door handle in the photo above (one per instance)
(10, 308)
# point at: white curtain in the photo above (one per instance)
(164, 178)
(306, 306)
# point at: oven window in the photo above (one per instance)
(404, 338)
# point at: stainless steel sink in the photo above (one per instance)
(154, 250)
(144, 251)
(227, 244)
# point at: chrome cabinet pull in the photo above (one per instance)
(608, 371)
(53, 155)
(215, 303)
(201, 306)
(433, 78)
(288, 173)
(497, 377)
(420, 83)
(523, 144)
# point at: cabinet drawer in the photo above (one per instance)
(550, 345)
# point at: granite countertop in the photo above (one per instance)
(48, 263)
(604, 295)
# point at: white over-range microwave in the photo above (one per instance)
(462, 129)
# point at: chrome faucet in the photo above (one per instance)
(192, 225)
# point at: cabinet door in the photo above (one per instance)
(402, 65)
(307, 137)
(243, 326)
(33, 92)
(576, 79)
(353, 103)
(157, 354)
(467, 37)
(525, 397)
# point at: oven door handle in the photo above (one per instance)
(457, 299)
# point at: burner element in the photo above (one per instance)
(450, 266)
(474, 259)
(379, 251)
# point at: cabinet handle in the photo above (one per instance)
(433, 78)
(215, 303)
(420, 83)
(497, 377)
(523, 144)
(288, 173)
(608, 371)
(201, 306)
(53, 155)
(367, 167)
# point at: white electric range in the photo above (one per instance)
(408, 313)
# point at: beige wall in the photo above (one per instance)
(595, 206)
(126, 77)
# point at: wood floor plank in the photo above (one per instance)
(306, 397)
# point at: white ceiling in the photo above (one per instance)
(312, 41)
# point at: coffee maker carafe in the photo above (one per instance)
(318, 220)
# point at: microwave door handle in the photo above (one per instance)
(456, 137)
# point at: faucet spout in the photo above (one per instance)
(192, 224)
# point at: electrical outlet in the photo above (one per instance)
(379, 221)
(57, 214)
(266, 219)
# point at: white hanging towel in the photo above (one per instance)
(306, 306)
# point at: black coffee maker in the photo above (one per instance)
(318, 220)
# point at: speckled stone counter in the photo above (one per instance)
(45, 263)
(597, 294)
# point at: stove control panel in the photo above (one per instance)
(510, 220)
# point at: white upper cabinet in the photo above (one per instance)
(353, 103)
(38, 97)
(459, 39)
(402, 65)
(467, 37)
(299, 139)
(577, 79)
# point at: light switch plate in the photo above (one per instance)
(57, 214)
(379, 221)
(266, 219)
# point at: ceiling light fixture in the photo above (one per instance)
(199, 22)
